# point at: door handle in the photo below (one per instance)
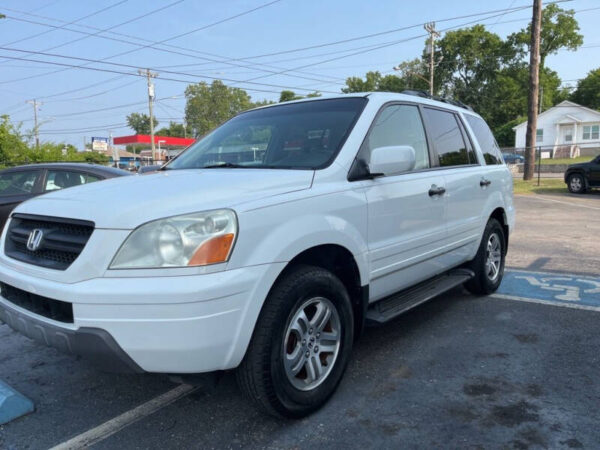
(435, 190)
(484, 182)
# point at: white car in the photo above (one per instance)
(267, 245)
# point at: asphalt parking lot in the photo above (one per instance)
(514, 370)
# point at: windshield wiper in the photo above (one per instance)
(223, 164)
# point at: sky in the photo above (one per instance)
(246, 43)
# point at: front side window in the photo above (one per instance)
(16, 183)
(305, 135)
(487, 142)
(400, 125)
(447, 138)
(60, 179)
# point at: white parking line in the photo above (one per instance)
(547, 302)
(109, 428)
(575, 204)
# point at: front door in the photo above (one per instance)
(566, 134)
(406, 225)
(594, 176)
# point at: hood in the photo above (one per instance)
(127, 202)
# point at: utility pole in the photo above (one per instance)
(534, 80)
(36, 130)
(433, 34)
(149, 75)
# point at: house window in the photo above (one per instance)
(539, 135)
(591, 132)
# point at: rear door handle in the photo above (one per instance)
(484, 182)
(435, 190)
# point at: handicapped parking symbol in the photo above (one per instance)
(561, 284)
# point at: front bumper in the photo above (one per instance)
(168, 324)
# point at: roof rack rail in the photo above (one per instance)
(425, 94)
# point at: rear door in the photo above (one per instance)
(462, 174)
(16, 186)
(406, 228)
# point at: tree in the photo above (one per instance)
(12, 144)
(374, 81)
(287, 96)
(207, 106)
(588, 90)
(140, 123)
(174, 129)
(559, 30)
(414, 74)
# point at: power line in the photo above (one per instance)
(204, 27)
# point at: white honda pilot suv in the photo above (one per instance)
(267, 245)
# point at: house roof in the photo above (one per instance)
(563, 104)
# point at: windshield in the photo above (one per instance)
(304, 135)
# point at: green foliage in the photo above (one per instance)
(287, 96)
(374, 81)
(209, 105)
(505, 134)
(11, 141)
(14, 149)
(140, 123)
(175, 130)
(559, 30)
(588, 90)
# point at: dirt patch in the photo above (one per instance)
(478, 389)
(515, 414)
(527, 338)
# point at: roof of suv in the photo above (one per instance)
(406, 96)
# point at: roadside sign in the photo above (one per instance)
(99, 144)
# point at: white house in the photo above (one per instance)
(565, 130)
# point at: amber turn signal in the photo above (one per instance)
(213, 251)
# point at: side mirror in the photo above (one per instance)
(391, 159)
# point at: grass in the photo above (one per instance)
(547, 186)
(579, 159)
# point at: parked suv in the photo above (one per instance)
(583, 176)
(267, 245)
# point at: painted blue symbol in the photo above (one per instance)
(554, 287)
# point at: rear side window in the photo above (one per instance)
(487, 142)
(16, 183)
(447, 138)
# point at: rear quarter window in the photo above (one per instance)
(487, 142)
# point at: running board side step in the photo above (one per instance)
(396, 304)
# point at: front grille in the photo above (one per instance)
(62, 241)
(43, 306)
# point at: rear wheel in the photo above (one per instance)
(576, 184)
(301, 344)
(488, 264)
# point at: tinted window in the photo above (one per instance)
(447, 138)
(487, 142)
(15, 183)
(400, 125)
(60, 179)
(302, 135)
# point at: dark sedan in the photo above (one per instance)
(583, 176)
(21, 183)
(513, 158)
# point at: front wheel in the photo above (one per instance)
(576, 184)
(301, 344)
(488, 264)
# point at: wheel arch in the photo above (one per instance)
(500, 215)
(341, 262)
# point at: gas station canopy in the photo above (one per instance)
(166, 142)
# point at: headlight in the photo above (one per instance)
(195, 239)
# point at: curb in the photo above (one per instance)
(13, 404)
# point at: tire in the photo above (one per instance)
(265, 378)
(576, 183)
(486, 279)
